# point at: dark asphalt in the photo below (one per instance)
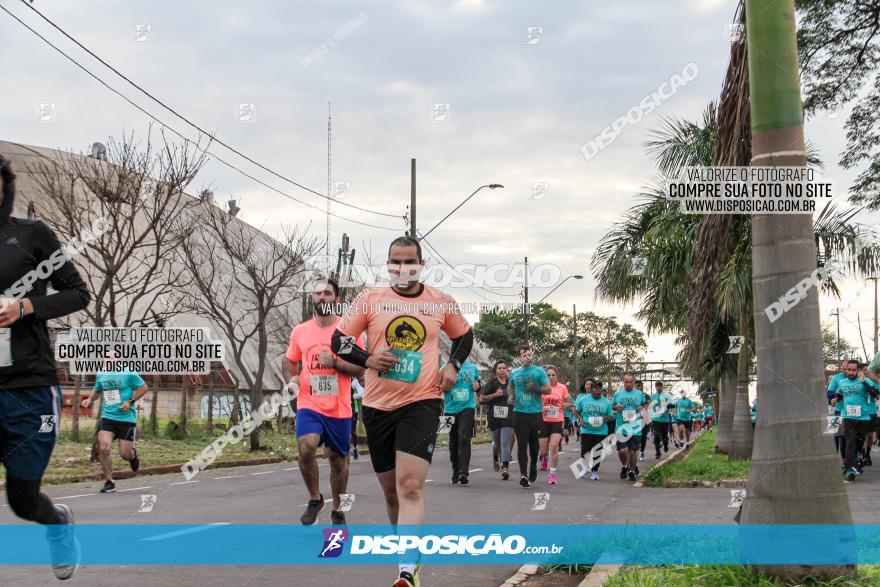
(275, 494)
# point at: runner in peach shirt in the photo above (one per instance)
(323, 404)
(402, 403)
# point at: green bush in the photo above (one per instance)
(173, 431)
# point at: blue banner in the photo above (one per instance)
(483, 544)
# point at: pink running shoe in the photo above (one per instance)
(552, 479)
(544, 463)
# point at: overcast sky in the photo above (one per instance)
(518, 112)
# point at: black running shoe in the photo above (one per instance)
(637, 471)
(657, 456)
(524, 481)
(135, 462)
(623, 472)
(64, 548)
(463, 480)
(109, 487)
(455, 477)
(314, 507)
(505, 474)
(337, 518)
(631, 475)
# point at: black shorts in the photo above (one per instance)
(632, 443)
(548, 428)
(874, 422)
(688, 425)
(411, 429)
(120, 430)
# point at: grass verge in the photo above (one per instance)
(726, 575)
(70, 460)
(701, 464)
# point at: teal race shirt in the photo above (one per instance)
(708, 411)
(872, 405)
(855, 398)
(461, 396)
(629, 415)
(525, 401)
(682, 406)
(662, 407)
(116, 389)
(590, 408)
(753, 412)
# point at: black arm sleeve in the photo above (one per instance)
(346, 348)
(461, 347)
(72, 293)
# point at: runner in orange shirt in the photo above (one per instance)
(403, 398)
(550, 433)
(323, 405)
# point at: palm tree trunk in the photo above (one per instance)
(795, 476)
(743, 433)
(727, 401)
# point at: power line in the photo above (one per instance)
(192, 124)
(433, 248)
(182, 137)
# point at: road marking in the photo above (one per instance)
(474, 471)
(291, 469)
(263, 473)
(227, 477)
(72, 496)
(325, 501)
(135, 488)
(167, 535)
(182, 482)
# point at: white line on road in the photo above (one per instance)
(325, 501)
(158, 537)
(135, 488)
(474, 471)
(227, 477)
(291, 469)
(182, 482)
(72, 496)
(262, 473)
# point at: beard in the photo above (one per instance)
(323, 308)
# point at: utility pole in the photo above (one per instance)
(412, 199)
(874, 279)
(837, 313)
(526, 299)
(577, 376)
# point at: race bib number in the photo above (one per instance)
(409, 367)
(500, 411)
(324, 385)
(629, 415)
(111, 397)
(5, 347)
(460, 395)
(854, 411)
(595, 421)
(551, 412)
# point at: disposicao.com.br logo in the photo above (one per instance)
(450, 544)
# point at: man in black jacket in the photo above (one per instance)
(30, 397)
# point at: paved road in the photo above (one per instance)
(275, 494)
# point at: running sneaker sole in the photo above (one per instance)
(524, 481)
(323, 507)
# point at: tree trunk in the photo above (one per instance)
(743, 433)
(726, 406)
(184, 415)
(154, 411)
(795, 474)
(77, 386)
(211, 410)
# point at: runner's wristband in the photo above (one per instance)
(20, 309)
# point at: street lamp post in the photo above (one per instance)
(560, 285)
(526, 308)
(491, 186)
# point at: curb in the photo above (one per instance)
(725, 483)
(599, 575)
(522, 575)
(673, 456)
(159, 470)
